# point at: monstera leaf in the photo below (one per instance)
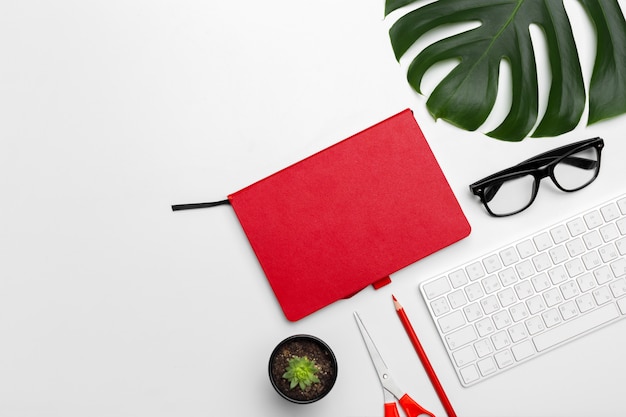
(466, 96)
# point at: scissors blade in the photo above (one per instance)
(377, 359)
(384, 376)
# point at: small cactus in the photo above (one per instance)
(301, 372)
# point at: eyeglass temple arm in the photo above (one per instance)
(555, 153)
(575, 161)
(582, 163)
(545, 157)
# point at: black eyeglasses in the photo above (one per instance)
(571, 167)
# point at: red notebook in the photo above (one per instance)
(349, 216)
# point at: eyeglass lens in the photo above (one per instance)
(515, 193)
(511, 195)
(577, 170)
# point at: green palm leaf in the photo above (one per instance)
(466, 96)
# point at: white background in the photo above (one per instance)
(113, 305)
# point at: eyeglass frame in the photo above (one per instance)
(540, 167)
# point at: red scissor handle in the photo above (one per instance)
(391, 410)
(411, 408)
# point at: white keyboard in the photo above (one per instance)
(535, 294)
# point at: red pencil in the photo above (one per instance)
(422, 355)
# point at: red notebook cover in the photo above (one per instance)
(349, 215)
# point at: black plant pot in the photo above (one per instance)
(313, 348)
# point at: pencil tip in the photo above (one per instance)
(394, 297)
(396, 303)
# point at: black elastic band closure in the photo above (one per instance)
(178, 207)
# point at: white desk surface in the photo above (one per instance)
(113, 305)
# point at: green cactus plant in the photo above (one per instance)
(301, 372)
(303, 358)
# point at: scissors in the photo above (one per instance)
(390, 389)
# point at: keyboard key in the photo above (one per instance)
(526, 248)
(436, 288)
(519, 312)
(440, 306)
(464, 356)
(559, 234)
(507, 297)
(574, 267)
(575, 327)
(558, 254)
(551, 317)
(602, 295)
(585, 303)
(523, 350)
(586, 282)
(593, 219)
(483, 348)
(472, 312)
(452, 321)
(621, 246)
(542, 242)
(469, 374)
(569, 289)
(608, 252)
(491, 284)
(461, 337)
(540, 282)
(552, 297)
(591, 260)
(492, 263)
(474, 291)
(575, 247)
(490, 304)
(618, 287)
(458, 278)
(535, 325)
(568, 310)
(507, 277)
(542, 262)
(501, 319)
(609, 232)
(484, 326)
(475, 271)
(503, 359)
(524, 269)
(501, 340)
(518, 332)
(619, 267)
(486, 366)
(576, 227)
(610, 212)
(509, 256)
(523, 289)
(603, 275)
(457, 299)
(592, 239)
(535, 304)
